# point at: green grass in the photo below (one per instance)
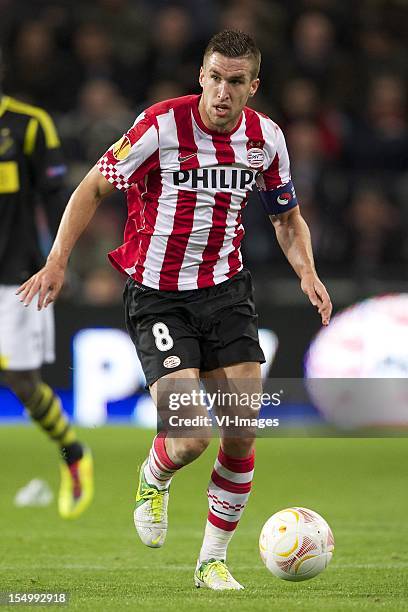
(359, 486)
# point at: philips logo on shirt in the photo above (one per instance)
(215, 178)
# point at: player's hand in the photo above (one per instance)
(313, 287)
(46, 283)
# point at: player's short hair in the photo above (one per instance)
(233, 43)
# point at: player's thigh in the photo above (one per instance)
(26, 334)
(188, 378)
(239, 382)
(237, 372)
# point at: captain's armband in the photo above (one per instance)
(279, 200)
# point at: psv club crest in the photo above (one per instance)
(255, 154)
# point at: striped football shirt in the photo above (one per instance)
(186, 188)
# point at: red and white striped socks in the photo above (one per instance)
(228, 493)
(159, 468)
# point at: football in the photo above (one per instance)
(296, 544)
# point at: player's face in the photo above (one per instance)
(227, 84)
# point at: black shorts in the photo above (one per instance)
(200, 328)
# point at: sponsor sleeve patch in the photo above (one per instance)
(279, 200)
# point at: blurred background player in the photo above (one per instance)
(31, 173)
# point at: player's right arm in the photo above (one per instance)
(80, 209)
(125, 163)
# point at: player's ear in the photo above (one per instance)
(254, 87)
(201, 77)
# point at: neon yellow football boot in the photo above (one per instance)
(214, 574)
(77, 486)
(150, 515)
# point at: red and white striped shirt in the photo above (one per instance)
(187, 187)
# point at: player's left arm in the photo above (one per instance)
(278, 196)
(293, 236)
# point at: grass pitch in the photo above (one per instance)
(358, 485)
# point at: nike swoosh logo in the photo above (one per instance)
(219, 512)
(186, 157)
(156, 541)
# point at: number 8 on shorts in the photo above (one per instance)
(164, 341)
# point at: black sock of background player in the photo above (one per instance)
(71, 453)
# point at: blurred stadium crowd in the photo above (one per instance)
(334, 76)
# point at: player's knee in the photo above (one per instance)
(188, 449)
(23, 384)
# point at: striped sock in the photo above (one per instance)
(45, 408)
(159, 468)
(228, 493)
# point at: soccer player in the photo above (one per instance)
(31, 168)
(187, 166)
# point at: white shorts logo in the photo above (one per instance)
(255, 157)
(172, 362)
